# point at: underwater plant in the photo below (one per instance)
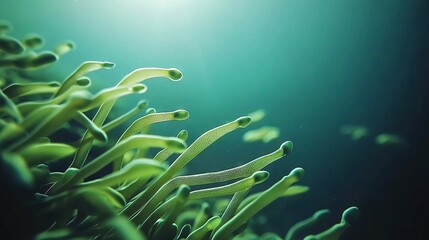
(387, 138)
(265, 134)
(358, 132)
(355, 132)
(142, 196)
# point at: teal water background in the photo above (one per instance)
(312, 65)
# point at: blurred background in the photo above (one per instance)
(330, 75)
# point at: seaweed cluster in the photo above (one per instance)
(142, 196)
(357, 132)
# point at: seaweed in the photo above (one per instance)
(143, 196)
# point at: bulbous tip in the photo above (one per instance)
(297, 172)
(4, 26)
(150, 110)
(83, 81)
(33, 41)
(40, 174)
(243, 121)
(141, 104)
(181, 114)
(183, 135)
(44, 58)
(138, 88)
(260, 176)
(350, 215)
(11, 45)
(183, 191)
(321, 213)
(70, 44)
(108, 65)
(287, 147)
(64, 48)
(174, 74)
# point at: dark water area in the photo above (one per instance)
(313, 66)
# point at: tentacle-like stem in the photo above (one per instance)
(149, 119)
(113, 94)
(136, 141)
(202, 216)
(130, 190)
(83, 69)
(232, 207)
(120, 120)
(33, 41)
(199, 233)
(182, 196)
(145, 121)
(26, 108)
(8, 107)
(64, 48)
(125, 117)
(121, 228)
(229, 189)
(36, 154)
(101, 115)
(97, 132)
(291, 191)
(136, 169)
(162, 155)
(56, 119)
(232, 188)
(19, 90)
(30, 62)
(81, 101)
(293, 232)
(350, 216)
(263, 200)
(190, 153)
(213, 177)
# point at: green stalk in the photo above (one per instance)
(190, 153)
(101, 115)
(263, 200)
